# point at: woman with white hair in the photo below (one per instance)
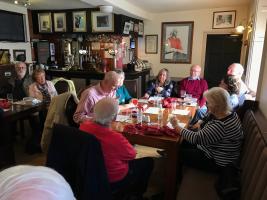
(218, 142)
(33, 182)
(122, 93)
(119, 155)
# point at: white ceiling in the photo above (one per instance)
(140, 8)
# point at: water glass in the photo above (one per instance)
(9, 97)
(183, 93)
(173, 104)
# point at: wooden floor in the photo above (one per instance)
(155, 186)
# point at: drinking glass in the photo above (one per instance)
(183, 93)
(173, 104)
(9, 97)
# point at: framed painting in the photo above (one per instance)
(45, 22)
(176, 42)
(140, 28)
(102, 22)
(19, 52)
(60, 22)
(79, 21)
(151, 44)
(127, 27)
(4, 56)
(224, 19)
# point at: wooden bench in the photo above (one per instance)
(199, 185)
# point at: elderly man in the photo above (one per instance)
(124, 171)
(195, 85)
(237, 70)
(106, 88)
(20, 83)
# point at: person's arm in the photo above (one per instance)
(204, 87)
(151, 88)
(84, 107)
(167, 90)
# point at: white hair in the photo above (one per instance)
(218, 98)
(33, 182)
(106, 110)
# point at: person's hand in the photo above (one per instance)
(175, 124)
(146, 96)
(159, 89)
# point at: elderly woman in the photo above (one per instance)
(41, 88)
(119, 155)
(218, 142)
(122, 93)
(161, 86)
(232, 85)
(33, 182)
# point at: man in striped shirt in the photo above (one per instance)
(218, 143)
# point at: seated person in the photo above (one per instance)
(105, 88)
(194, 85)
(218, 142)
(41, 88)
(237, 70)
(161, 86)
(232, 85)
(19, 85)
(33, 182)
(119, 155)
(122, 93)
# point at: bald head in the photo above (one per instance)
(195, 71)
(235, 69)
(110, 81)
(106, 110)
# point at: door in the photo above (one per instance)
(221, 51)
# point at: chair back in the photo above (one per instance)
(70, 108)
(62, 86)
(78, 157)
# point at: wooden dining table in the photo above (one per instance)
(14, 113)
(171, 145)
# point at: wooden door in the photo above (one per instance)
(221, 51)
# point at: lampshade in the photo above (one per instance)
(106, 9)
(239, 29)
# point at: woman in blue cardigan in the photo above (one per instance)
(122, 93)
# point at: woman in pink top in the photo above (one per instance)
(124, 171)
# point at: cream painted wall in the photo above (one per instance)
(202, 25)
(262, 86)
(17, 45)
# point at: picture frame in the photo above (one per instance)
(127, 27)
(60, 22)
(151, 44)
(140, 28)
(45, 22)
(79, 21)
(176, 42)
(102, 22)
(4, 56)
(224, 19)
(17, 52)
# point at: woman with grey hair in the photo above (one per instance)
(218, 142)
(161, 86)
(122, 93)
(33, 182)
(124, 171)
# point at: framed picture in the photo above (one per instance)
(151, 44)
(4, 56)
(17, 52)
(45, 22)
(79, 21)
(140, 28)
(176, 42)
(102, 22)
(60, 22)
(127, 27)
(224, 19)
